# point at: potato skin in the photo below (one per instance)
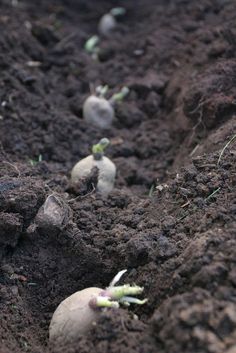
(98, 111)
(106, 176)
(74, 316)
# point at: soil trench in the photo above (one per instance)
(171, 218)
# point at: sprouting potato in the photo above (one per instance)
(108, 22)
(106, 174)
(99, 111)
(76, 314)
(106, 168)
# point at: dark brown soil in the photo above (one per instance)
(171, 219)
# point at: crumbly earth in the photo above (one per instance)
(171, 220)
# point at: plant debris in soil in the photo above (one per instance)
(171, 219)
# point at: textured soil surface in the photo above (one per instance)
(171, 219)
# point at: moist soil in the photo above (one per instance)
(171, 218)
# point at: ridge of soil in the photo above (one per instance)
(171, 219)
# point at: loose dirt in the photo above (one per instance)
(171, 219)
